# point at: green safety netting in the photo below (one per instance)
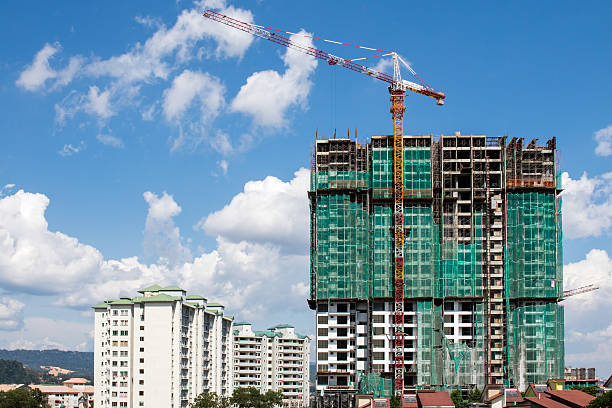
(536, 343)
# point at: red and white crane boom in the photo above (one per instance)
(397, 89)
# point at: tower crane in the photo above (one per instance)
(397, 88)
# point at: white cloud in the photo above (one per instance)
(35, 76)
(223, 165)
(588, 327)
(189, 86)
(266, 211)
(69, 150)
(10, 313)
(595, 268)
(34, 259)
(267, 95)
(604, 141)
(41, 333)
(98, 103)
(148, 61)
(587, 205)
(161, 237)
(109, 140)
(384, 65)
(194, 92)
(254, 276)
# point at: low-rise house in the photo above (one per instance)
(428, 399)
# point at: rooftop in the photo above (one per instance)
(281, 326)
(172, 288)
(195, 297)
(435, 399)
(573, 396)
(152, 288)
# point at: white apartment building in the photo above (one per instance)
(160, 349)
(273, 360)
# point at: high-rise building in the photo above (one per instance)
(482, 262)
(160, 349)
(276, 359)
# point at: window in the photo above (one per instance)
(142, 339)
(141, 371)
(322, 332)
(378, 343)
(377, 318)
(124, 313)
(342, 320)
(142, 349)
(449, 331)
(322, 344)
(141, 327)
(115, 312)
(142, 360)
(379, 331)
(322, 356)
(378, 356)
(322, 307)
(123, 343)
(141, 393)
(322, 319)
(342, 307)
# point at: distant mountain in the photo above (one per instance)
(79, 362)
(13, 372)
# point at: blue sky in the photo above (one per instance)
(139, 129)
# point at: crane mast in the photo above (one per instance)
(397, 89)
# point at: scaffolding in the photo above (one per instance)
(482, 225)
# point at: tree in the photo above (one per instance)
(603, 401)
(395, 401)
(210, 400)
(251, 398)
(591, 390)
(458, 399)
(23, 398)
(474, 395)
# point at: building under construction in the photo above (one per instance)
(482, 262)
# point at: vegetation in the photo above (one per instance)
(79, 362)
(210, 400)
(603, 401)
(592, 389)
(22, 398)
(395, 401)
(242, 398)
(13, 372)
(473, 396)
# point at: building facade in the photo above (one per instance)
(160, 349)
(273, 360)
(482, 262)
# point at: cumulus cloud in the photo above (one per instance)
(267, 95)
(266, 211)
(587, 205)
(10, 313)
(148, 61)
(164, 52)
(109, 140)
(98, 103)
(36, 75)
(34, 259)
(189, 86)
(252, 274)
(193, 91)
(603, 137)
(161, 237)
(588, 330)
(41, 333)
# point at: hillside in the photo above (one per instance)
(13, 372)
(79, 362)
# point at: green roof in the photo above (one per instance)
(152, 288)
(172, 288)
(162, 297)
(195, 297)
(235, 332)
(229, 317)
(100, 306)
(242, 323)
(301, 336)
(214, 304)
(267, 334)
(215, 312)
(282, 326)
(121, 301)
